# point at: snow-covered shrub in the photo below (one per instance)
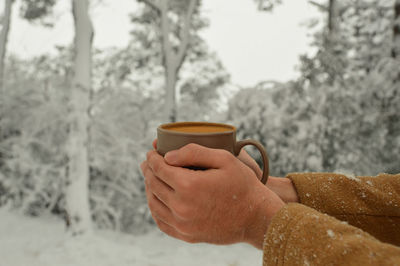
(33, 141)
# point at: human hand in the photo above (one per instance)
(222, 205)
(283, 187)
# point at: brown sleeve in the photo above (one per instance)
(369, 203)
(299, 235)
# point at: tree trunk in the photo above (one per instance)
(396, 31)
(169, 65)
(6, 18)
(170, 104)
(77, 190)
(332, 39)
(332, 17)
(172, 60)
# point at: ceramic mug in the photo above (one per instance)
(173, 136)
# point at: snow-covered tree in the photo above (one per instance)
(190, 91)
(267, 5)
(5, 19)
(174, 24)
(352, 79)
(77, 183)
(33, 134)
(342, 113)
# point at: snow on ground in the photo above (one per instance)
(26, 241)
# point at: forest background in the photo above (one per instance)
(75, 124)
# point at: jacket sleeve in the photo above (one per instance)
(369, 203)
(299, 235)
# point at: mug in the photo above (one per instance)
(173, 136)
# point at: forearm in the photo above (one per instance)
(267, 205)
(298, 235)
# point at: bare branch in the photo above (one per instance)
(185, 35)
(152, 4)
(318, 5)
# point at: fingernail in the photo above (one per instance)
(171, 156)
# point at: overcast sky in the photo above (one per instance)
(254, 46)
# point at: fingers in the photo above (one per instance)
(161, 213)
(197, 155)
(155, 144)
(170, 175)
(250, 162)
(159, 210)
(171, 231)
(162, 191)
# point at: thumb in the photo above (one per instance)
(197, 156)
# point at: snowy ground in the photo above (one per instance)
(26, 241)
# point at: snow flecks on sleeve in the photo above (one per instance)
(330, 233)
(305, 239)
(351, 176)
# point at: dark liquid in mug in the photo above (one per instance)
(199, 129)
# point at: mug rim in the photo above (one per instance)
(162, 128)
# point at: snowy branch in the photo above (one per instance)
(115, 187)
(152, 4)
(318, 5)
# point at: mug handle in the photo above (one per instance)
(240, 144)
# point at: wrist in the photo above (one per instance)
(284, 188)
(268, 204)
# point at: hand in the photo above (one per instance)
(222, 205)
(283, 187)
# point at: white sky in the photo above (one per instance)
(254, 46)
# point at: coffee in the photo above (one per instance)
(200, 129)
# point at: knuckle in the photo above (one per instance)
(143, 166)
(185, 185)
(149, 155)
(191, 147)
(167, 230)
(151, 205)
(145, 173)
(184, 228)
(183, 211)
(147, 182)
(188, 187)
(157, 168)
(226, 155)
(160, 169)
(191, 150)
(163, 227)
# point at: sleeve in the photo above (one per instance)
(299, 235)
(369, 203)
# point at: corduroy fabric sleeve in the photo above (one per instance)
(369, 203)
(299, 235)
